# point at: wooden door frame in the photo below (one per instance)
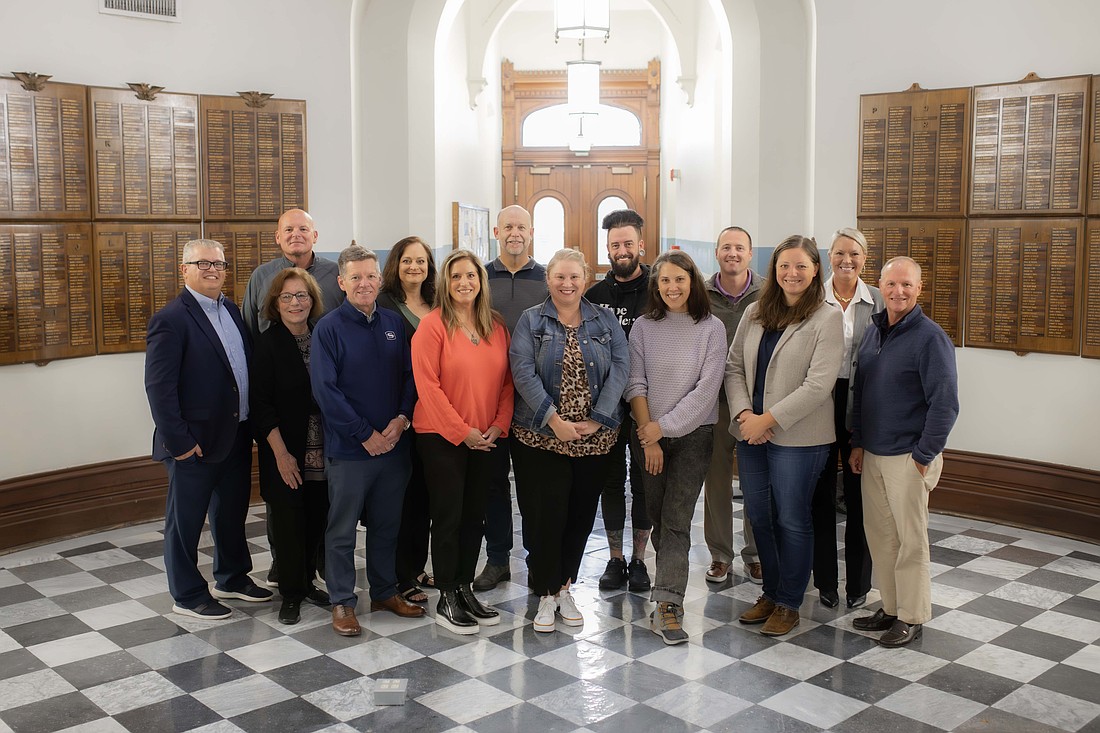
(636, 90)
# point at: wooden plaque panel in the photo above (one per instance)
(253, 160)
(914, 153)
(1094, 150)
(247, 246)
(43, 152)
(1024, 284)
(46, 304)
(937, 244)
(136, 274)
(145, 155)
(1029, 147)
(1090, 337)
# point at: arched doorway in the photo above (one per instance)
(568, 193)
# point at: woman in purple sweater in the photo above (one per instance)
(677, 355)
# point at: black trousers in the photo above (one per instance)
(412, 538)
(613, 498)
(458, 483)
(296, 520)
(558, 496)
(857, 558)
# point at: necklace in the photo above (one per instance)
(841, 298)
(473, 336)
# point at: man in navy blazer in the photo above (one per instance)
(196, 378)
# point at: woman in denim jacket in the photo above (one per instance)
(570, 361)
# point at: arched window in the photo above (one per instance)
(609, 204)
(552, 127)
(548, 221)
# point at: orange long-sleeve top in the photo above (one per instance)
(460, 386)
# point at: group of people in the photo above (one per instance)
(402, 397)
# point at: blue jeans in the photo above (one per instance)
(778, 483)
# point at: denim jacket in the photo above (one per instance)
(538, 346)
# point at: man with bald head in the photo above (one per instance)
(516, 282)
(296, 237)
(906, 402)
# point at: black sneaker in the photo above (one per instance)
(614, 577)
(209, 611)
(637, 576)
(318, 597)
(290, 612)
(250, 592)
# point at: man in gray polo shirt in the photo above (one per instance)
(517, 282)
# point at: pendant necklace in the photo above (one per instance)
(841, 298)
(473, 336)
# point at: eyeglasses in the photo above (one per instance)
(302, 297)
(218, 265)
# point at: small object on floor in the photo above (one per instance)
(829, 598)
(567, 609)
(856, 601)
(718, 572)
(900, 634)
(665, 622)
(344, 622)
(544, 616)
(250, 592)
(614, 577)
(290, 612)
(755, 572)
(390, 692)
(209, 611)
(759, 613)
(879, 621)
(491, 576)
(637, 577)
(781, 621)
(399, 606)
(318, 597)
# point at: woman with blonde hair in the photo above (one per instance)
(464, 407)
(780, 374)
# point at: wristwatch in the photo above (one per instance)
(407, 421)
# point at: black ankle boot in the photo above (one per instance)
(483, 615)
(451, 615)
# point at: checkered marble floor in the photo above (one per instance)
(88, 643)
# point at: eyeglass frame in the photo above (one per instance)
(301, 296)
(205, 265)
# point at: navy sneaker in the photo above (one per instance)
(209, 611)
(250, 592)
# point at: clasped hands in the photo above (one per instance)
(756, 429)
(477, 440)
(380, 443)
(567, 430)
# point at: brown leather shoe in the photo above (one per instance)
(344, 622)
(398, 605)
(781, 621)
(759, 613)
(755, 572)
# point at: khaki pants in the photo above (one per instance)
(718, 497)
(895, 516)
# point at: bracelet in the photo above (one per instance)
(407, 421)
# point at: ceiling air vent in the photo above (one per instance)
(167, 10)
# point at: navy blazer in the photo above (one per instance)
(192, 392)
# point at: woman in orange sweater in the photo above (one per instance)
(460, 364)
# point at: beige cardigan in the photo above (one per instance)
(798, 390)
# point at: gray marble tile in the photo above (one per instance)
(1049, 707)
(140, 690)
(931, 706)
(174, 650)
(114, 614)
(792, 661)
(1031, 595)
(584, 660)
(21, 613)
(690, 661)
(1087, 659)
(966, 543)
(1076, 567)
(241, 696)
(583, 703)
(1006, 662)
(104, 558)
(815, 705)
(1004, 569)
(969, 625)
(698, 704)
(32, 687)
(1060, 624)
(71, 583)
(906, 663)
(375, 655)
(467, 701)
(267, 655)
(73, 648)
(345, 701)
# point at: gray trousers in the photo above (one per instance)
(718, 497)
(670, 499)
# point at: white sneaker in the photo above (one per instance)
(567, 609)
(544, 617)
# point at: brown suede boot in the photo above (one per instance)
(759, 613)
(781, 621)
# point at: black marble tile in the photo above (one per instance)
(310, 675)
(146, 550)
(1001, 610)
(525, 717)
(748, 682)
(43, 570)
(98, 670)
(48, 629)
(935, 535)
(944, 645)
(1078, 555)
(125, 571)
(240, 633)
(57, 713)
(639, 682)
(631, 640)
(530, 643)
(528, 679)
(1079, 606)
(17, 662)
(325, 640)
(992, 720)
(737, 640)
(1057, 581)
(88, 549)
(18, 594)
(969, 580)
(295, 715)
(177, 714)
(757, 718)
(1023, 555)
(429, 640)
(949, 556)
(991, 536)
(642, 717)
(834, 642)
(1071, 681)
(136, 633)
(972, 684)
(204, 672)
(424, 675)
(858, 682)
(878, 720)
(408, 717)
(1039, 644)
(82, 600)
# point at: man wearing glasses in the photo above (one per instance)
(196, 379)
(296, 237)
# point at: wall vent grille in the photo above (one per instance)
(167, 10)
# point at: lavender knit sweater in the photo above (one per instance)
(677, 365)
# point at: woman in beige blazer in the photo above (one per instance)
(780, 373)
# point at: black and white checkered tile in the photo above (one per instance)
(88, 643)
